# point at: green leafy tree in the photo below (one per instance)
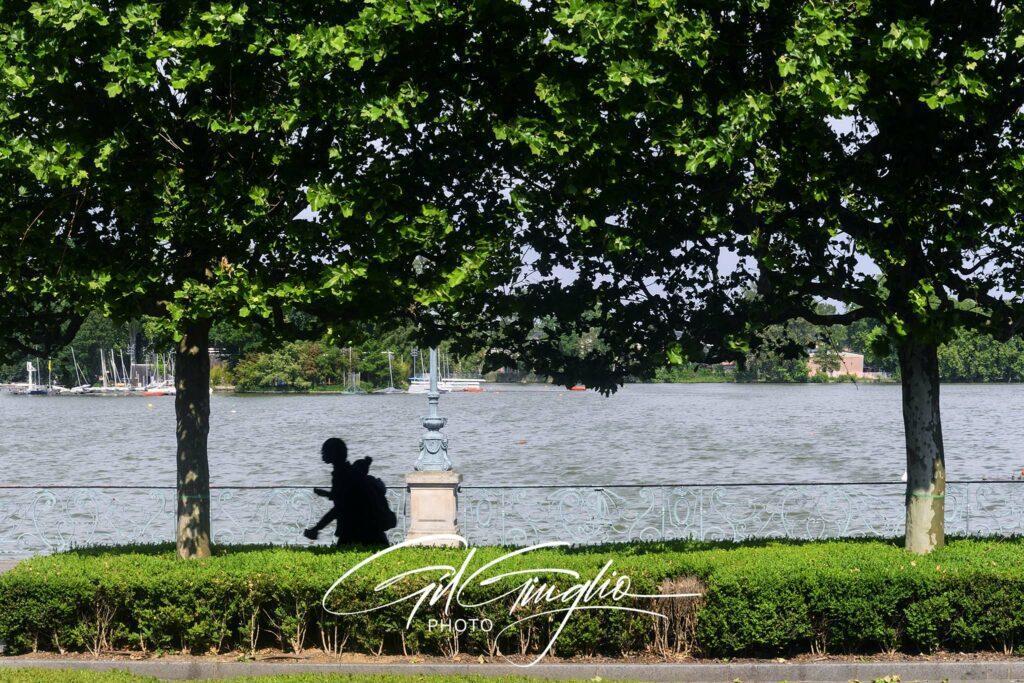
(168, 144)
(778, 357)
(693, 373)
(163, 159)
(972, 356)
(96, 335)
(233, 338)
(614, 146)
(868, 336)
(781, 352)
(373, 356)
(271, 371)
(894, 139)
(863, 153)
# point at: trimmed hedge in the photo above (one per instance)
(760, 599)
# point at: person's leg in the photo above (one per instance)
(345, 535)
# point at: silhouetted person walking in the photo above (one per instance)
(359, 503)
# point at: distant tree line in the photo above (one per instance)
(250, 361)
(969, 356)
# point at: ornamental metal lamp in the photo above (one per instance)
(433, 444)
(434, 486)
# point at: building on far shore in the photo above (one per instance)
(850, 363)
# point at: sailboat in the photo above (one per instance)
(162, 379)
(105, 388)
(82, 386)
(31, 387)
(161, 388)
(353, 378)
(390, 389)
(113, 381)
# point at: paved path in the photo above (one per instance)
(1005, 670)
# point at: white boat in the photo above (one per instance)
(32, 386)
(164, 388)
(27, 389)
(421, 385)
(471, 384)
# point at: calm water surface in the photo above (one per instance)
(521, 435)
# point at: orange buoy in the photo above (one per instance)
(577, 387)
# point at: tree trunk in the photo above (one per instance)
(192, 408)
(926, 465)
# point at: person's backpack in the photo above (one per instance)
(383, 516)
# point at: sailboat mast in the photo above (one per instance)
(124, 375)
(78, 374)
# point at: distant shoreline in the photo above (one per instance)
(553, 387)
(224, 389)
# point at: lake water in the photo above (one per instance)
(651, 434)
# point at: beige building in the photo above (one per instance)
(850, 364)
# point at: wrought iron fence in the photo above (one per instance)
(42, 519)
(602, 514)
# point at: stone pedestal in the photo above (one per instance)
(433, 504)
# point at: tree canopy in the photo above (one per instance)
(890, 179)
(194, 161)
(866, 154)
(630, 139)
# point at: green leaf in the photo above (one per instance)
(675, 356)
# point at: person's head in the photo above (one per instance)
(334, 451)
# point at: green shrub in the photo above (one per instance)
(760, 599)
